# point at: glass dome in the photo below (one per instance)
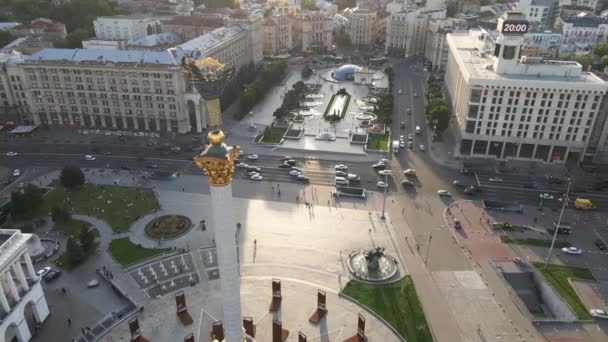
(346, 72)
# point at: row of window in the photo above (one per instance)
(106, 73)
(127, 112)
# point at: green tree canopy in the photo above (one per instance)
(87, 238)
(309, 5)
(342, 4)
(5, 37)
(73, 251)
(220, 3)
(60, 214)
(26, 203)
(71, 177)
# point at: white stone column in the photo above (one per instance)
(30, 266)
(11, 286)
(20, 275)
(3, 300)
(225, 229)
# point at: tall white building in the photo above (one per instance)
(523, 108)
(407, 31)
(125, 27)
(436, 46)
(584, 30)
(361, 25)
(21, 295)
(536, 11)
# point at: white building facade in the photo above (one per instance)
(21, 295)
(528, 108)
(361, 27)
(125, 27)
(583, 31)
(407, 31)
(536, 11)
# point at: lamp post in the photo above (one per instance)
(428, 247)
(559, 221)
(388, 168)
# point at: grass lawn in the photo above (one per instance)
(72, 228)
(377, 142)
(274, 135)
(125, 252)
(534, 242)
(118, 205)
(398, 304)
(557, 276)
(511, 227)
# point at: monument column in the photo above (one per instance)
(217, 161)
(30, 266)
(3, 299)
(20, 275)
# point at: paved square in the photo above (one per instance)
(168, 275)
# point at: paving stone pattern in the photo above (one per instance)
(167, 275)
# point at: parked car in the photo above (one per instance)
(383, 161)
(471, 190)
(421, 147)
(402, 144)
(598, 313)
(89, 157)
(456, 182)
(467, 172)
(257, 177)
(382, 185)
(402, 124)
(407, 182)
(11, 154)
(410, 145)
(16, 173)
(242, 165)
(572, 250)
(51, 275)
(385, 172)
(341, 167)
(254, 168)
(546, 196)
(444, 193)
(495, 180)
(341, 173)
(409, 172)
(400, 91)
(291, 162)
(294, 173)
(43, 271)
(601, 244)
(410, 137)
(253, 157)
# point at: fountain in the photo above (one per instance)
(372, 265)
(35, 247)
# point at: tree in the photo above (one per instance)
(73, 251)
(220, 3)
(87, 238)
(71, 177)
(73, 40)
(600, 50)
(26, 203)
(6, 37)
(309, 5)
(60, 214)
(452, 8)
(342, 38)
(342, 4)
(306, 71)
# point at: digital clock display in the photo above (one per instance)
(514, 27)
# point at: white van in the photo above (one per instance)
(341, 181)
(418, 130)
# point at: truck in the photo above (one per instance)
(583, 203)
(395, 146)
(350, 191)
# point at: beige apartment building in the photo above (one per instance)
(277, 35)
(312, 31)
(362, 30)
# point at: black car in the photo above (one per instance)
(379, 166)
(467, 172)
(291, 162)
(151, 166)
(285, 166)
(51, 275)
(126, 168)
(471, 190)
(530, 186)
(600, 244)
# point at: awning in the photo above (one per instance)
(24, 129)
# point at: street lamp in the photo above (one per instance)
(559, 221)
(388, 166)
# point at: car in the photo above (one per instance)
(253, 172)
(303, 178)
(409, 172)
(16, 173)
(546, 196)
(400, 91)
(572, 250)
(151, 166)
(402, 124)
(415, 94)
(471, 190)
(342, 173)
(11, 154)
(402, 137)
(341, 167)
(444, 193)
(21, 185)
(125, 167)
(407, 182)
(253, 157)
(554, 180)
(598, 313)
(242, 165)
(256, 177)
(383, 161)
(467, 172)
(409, 110)
(385, 172)
(601, 244)
(107, 153)
(410, 137)
(254, 168)
(379, 166)
(410, 145)
(294, 173)
(421, 147)
(89, 157)
(457, 224)
(402, 144)
(51, 275)
(43, 271)
(495, 179)
(297, 169)
(291, 162)
(284, 166)
(456, 182)
(382, 185)
(530, 186)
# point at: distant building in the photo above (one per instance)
(51, 29)
(526, 108)
(312, 31)
(22, 300)
(173, 7)
(154, 42)
(592, 4)
(28, 45)
(537, 11)
(125, 27)
(583, 30)
(277, 35)
(104, 44)
(327, 7)
(7, 26)
(192, 26)
(542, 44)
(436, 47)
(361, 25)
(283, 7)
(406, 31)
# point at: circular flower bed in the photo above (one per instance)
(168, 227)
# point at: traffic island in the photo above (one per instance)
(168, 227)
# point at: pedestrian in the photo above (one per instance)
(418, 247)
(279, 193)
(69, 322)
(63, 290)
(273, 189)
(255, 242)
(83, 332)
(402, 211)
(406, 238)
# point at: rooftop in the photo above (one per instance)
(11, 242)
(195, 20)
(41, 24)
(476, 56)
(104, 56)
(166, 38)
(211, 39)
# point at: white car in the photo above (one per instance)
(402, 144)
(42, 272)
(546, 196)
(456, 182)
(341, 174)
(16, 173)
(415, 95)
(385, 172)
(242, 165)
(295, 173)
(257, 177)
(341, 167)
(572, 250)
(11, 154)
(382, 185)
(400, 91)
(402, 137)
(89, 157)
(406, 182)
(444, 193)
(410, 137)
(597, 313)
(409, 172)
(383, 161)
(253, 157)
(495, 180)
(421, 147)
